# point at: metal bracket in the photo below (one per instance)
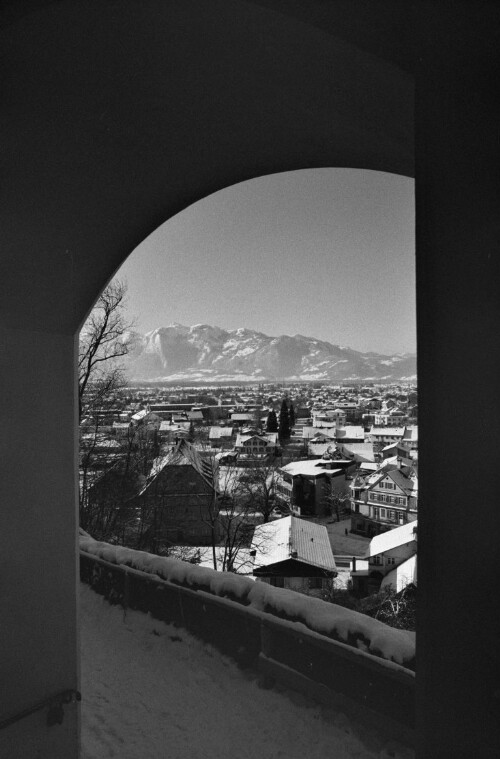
(55, 714)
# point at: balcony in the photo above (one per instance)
(338, 662)
(151, 688)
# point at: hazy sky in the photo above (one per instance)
(327, 253)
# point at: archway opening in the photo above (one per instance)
(295, 287)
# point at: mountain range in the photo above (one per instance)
(204, 353)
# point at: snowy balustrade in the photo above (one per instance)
(289, 636)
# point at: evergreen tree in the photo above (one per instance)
(291, 415)
(284, 427)
(272, 422)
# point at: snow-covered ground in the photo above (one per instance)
(153, 691)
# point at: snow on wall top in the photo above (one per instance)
(328, 619)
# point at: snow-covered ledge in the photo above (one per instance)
(336, 622)
(331, 654)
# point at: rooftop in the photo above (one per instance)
(386, 541)
(184, 454)
(309, 468)
(295, 538)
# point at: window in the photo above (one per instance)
(383, 513)
(377, 560)
(391, 560)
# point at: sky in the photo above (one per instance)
(326, 253)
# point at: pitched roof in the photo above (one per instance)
(292, 538)
(184, 454)
(361, 451)
(403, 479)
(395, 446)
(217, 432)
(386, 541)
(311, 432)
(240, 439)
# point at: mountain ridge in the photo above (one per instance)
(181, 353)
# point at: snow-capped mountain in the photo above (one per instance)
(203, 352)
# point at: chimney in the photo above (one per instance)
(293, 554)
(353, 564)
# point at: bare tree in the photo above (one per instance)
(105, 464)
(244, 500)
(258, 484)
(229, 519)
(337, 503)
(110, 473)
(103, 341)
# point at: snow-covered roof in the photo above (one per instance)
(171, 427)
(309, 433)
(369, 466)
(391, 539)
(395, 446)
(184, 454)
(217, 432)
(241, 439)
(291, 537)
(403, 476)
(308, 468)
(351, 431)
(411, 432)
(393, 431)
(361, 451)
(318, 449)
(140, 415)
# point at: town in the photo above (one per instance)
(306, 486)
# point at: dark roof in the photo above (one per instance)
(184, 454)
